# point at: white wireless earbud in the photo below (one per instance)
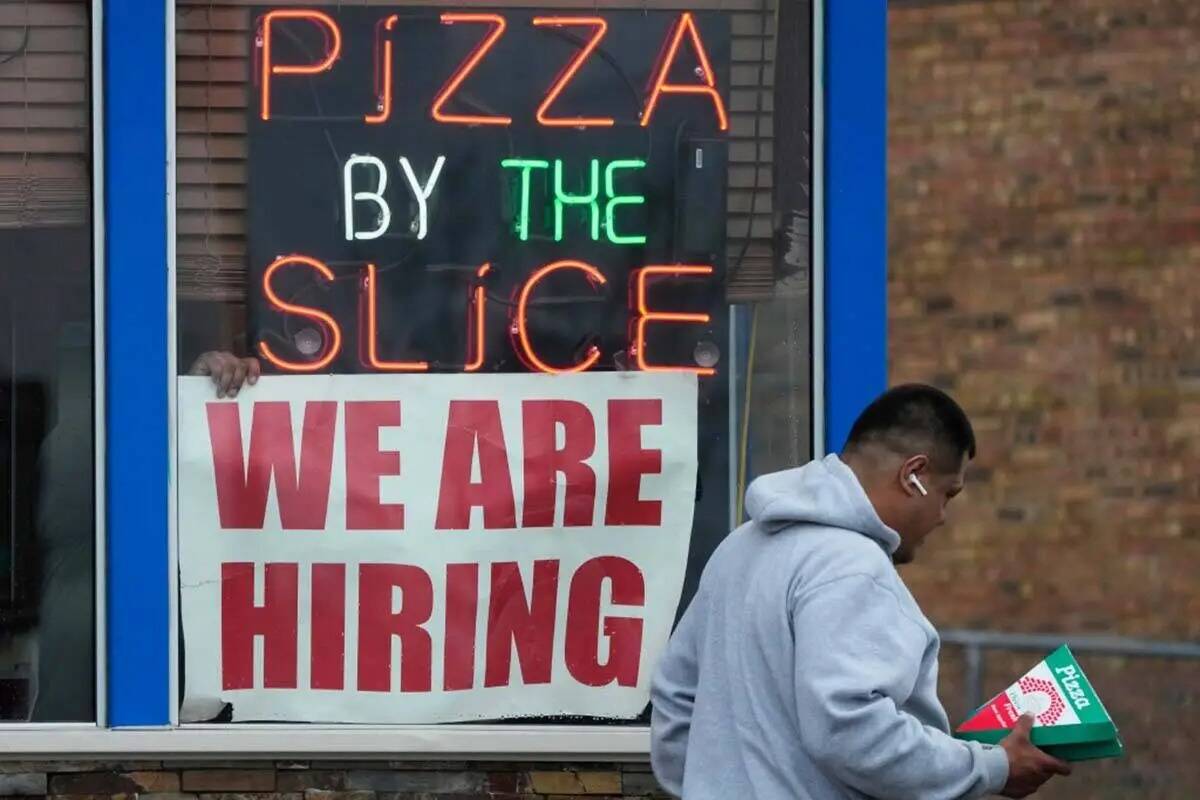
(915, 481)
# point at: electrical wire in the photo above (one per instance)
(580, 42)
(616, 67)
(20, 48)
(732, 271)
(743, 445)
(316, 96)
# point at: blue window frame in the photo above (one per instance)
(135, 87)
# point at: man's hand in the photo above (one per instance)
(1028, 767)
(227, 370)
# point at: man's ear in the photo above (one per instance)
(912, 468)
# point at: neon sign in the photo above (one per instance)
(686, 26)
(383, 73)
(560, 83)
(333, 48)
(498, 24)
(440, 190)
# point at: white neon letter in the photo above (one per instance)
(422, 193)
(376, 197)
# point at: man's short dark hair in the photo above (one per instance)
(915, 418)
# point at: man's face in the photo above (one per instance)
(924, 513)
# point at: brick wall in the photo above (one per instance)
(1045, 237)
(323, 780)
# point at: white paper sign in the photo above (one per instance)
(432, 548)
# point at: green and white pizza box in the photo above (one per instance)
(1070, 722)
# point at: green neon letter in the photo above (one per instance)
(615, 200)
(561, 198)
(526, 165)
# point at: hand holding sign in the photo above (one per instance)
(228, 371)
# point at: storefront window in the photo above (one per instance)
(47, 518)
(486, 317)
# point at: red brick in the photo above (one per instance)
(92, 783)
(229, 780)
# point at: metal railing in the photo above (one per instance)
(975, 642)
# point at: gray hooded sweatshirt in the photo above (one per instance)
(803, 668)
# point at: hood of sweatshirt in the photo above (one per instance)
(824, 492)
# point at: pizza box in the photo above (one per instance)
(1070, 722)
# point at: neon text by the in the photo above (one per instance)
(596, 198)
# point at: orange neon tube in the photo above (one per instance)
(647, 316)
(335, 333)
(372, 333)
(525, 349)
(568, 73)
(269, 69)
(475, 352)
(499, 25)
(686, 24)
(384, 76)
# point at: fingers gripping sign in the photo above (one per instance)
(228, 372)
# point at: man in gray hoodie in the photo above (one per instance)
(803, 668)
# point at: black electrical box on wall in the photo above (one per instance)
(701, 177)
